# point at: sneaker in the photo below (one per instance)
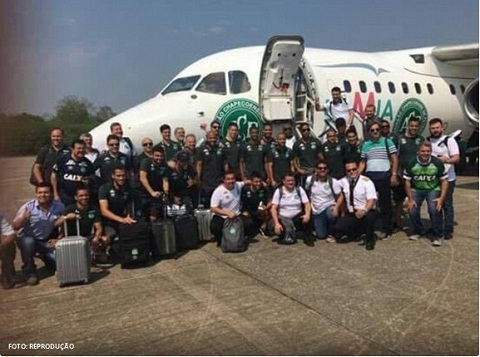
(330, 239)
(414, 237)
(262, 233)
(437, 242)
(32, 280)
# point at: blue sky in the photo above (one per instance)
(119, 53)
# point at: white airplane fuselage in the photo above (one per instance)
(393, 81)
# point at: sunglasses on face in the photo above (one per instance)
(215, 127)
(305, 130)
(374, 130)
(352, 170)
(147, 144)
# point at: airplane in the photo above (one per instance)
(279, 83)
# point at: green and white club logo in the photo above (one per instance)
(410, 108)
(244, 112)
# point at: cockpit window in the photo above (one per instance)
(239, 82)
(213, 83)
(181, 84)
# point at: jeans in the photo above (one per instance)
(28, 247)
(435, 216)
(448, 208)
(324, 223)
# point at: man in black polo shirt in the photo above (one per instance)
(209, 168)
(256, 203)
(47, 157)
(112, 158)
(333, 154)
(279, 161)
(253, 156)
(90, 222)
(70, 172)
(182, 180)
(115, 200)
(169, 146)
(267, 137)
(154, 175)
(307, 152)
(352, 148)
(231, 151)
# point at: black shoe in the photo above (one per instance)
(448, 236)
(309, 242)
(370, 244)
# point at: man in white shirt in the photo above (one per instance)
(291, 211)
(226, 203)
(360, 196)
(337, 107)
(126, 146)
(324, 194)
(447, 151)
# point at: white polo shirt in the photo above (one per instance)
(290, 204)
(339, 110)
(364, 190)
(226, 199)
(448, 147)
(321, 195)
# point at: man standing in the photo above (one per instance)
(36, 220)
(352, 148)
(253, 156)
(70, 172)
(332, 153)
(182, 181)
(306, 152)
(90, 152)
(48, 156)
(110, 159)
(126, 145)
(289, 137)
(231, 150)
(209, 168)
(380, 164)
(169, 146)
(338, 107)
(425, 179)
(267, 137)
(360, 196)
(447, 151)
(368, 120)
(147, 153)
(179, 133)
(279, 161)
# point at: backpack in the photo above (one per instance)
(233, 236)
(311, 180)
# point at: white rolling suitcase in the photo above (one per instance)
(73, 258)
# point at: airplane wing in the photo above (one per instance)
(461, 55)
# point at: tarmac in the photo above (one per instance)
(403, 298)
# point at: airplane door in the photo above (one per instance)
(280, 65)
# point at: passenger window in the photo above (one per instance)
(347, 86)
(430, 88)
(418, 88)
(391, 87)
(452, 89)
(377, 86)
(405, 87)
(238, 82)
(213, 83)
(363, 86)
(462, 88)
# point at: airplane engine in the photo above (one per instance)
(470, 103)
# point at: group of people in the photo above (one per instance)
(283, 186)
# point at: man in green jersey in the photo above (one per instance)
(425, 179)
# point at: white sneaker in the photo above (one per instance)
(330, 239)
(414, 237)
(437, 242)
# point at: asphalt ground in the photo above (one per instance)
(403, 298)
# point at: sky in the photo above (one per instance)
(120, 53)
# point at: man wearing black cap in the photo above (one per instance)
(182, 180)
(341, 126)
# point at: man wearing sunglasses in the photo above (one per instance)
(360, 197)
(147, 145)
(380, 163)
(306, 153)
(112, 158)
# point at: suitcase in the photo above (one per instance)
(163, 233)
(204, 217)
(186, 232)
(134, 243)
(73, 258)
(233, 236)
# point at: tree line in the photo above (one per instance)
(24, 134)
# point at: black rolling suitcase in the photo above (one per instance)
(186, 232)
(134, 243)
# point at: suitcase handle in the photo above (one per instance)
(77, 225)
